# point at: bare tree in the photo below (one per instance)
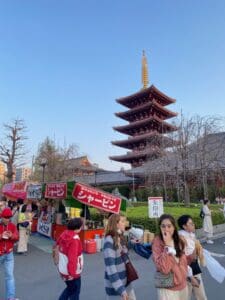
(57, 160)
(12, 146)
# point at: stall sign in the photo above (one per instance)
(56, 190)
(155, 207)
(96, 198)
(34, 191)
(44, 225)
(15, 189)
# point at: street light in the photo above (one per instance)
(43, 164)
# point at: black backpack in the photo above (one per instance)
(202, 214)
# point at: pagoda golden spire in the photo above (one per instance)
(144, 71)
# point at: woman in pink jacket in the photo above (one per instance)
(168, 256)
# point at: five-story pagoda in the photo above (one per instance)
(146, 128)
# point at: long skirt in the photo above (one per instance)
(166, 294)
(23, 239)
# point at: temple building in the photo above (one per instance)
(147, 128)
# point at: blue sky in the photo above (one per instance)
(63, 64)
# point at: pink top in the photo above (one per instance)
(165, 263)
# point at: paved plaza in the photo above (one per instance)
(37, 277)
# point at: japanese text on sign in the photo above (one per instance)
(155, 207)
(96, 198)
(56, 190)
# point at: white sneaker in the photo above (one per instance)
(224, 243)
(209, 242)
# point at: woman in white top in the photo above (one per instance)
(207, 222)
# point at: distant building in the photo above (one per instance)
(23, 174)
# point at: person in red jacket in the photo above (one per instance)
(70, 263)
(8, 236)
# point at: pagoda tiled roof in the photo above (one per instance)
(135, 155)
(165, 127)
(128, 143)
(152, 90)
(166, 112)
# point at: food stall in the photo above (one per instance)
(60, 201)
(73, 196)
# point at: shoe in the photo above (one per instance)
(224, 243)
(209, 242)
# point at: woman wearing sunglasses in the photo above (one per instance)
(169, 258)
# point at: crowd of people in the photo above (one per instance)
(177, 254)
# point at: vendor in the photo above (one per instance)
(85, 213)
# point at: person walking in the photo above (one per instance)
(115, 270)
(8, 236)
(193, 252)
(24, 228)
(168, 257)
(207, 222)
(70, 264)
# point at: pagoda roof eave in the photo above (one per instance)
(143, 92)
(137, 139)
(132, 155)
(124, 114)
(125, 128)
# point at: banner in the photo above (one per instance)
(34, 191)
(44, 225)
(15, 190)
(96, 198)
(155, 207)
(56, 190)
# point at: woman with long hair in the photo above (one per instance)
(169, 257)
(115, 271)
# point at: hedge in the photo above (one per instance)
(139, 216)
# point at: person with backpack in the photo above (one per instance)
(70, 259)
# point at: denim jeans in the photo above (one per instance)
(72, 291)
(7, 260)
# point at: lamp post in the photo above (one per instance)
(43, 165)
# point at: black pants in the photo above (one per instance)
(72, 291)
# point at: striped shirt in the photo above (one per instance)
(115, 272)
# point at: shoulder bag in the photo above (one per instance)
(130, 270)
(164, 280)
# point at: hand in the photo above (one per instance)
(167, 238)
(195, 281)
(125, 296)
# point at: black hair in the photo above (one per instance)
(19, 201)
(178, 243)
(183, 220)
(205, 201)
(74, 224)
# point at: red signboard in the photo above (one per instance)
(56, 190)
(96, 198)
(17, 189)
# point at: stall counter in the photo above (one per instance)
(86, 234)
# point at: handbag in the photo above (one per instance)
(164, 281)
(130, 270)
(24, 224)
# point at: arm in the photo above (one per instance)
(164, 262)
(111, 270)
(72, 258)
